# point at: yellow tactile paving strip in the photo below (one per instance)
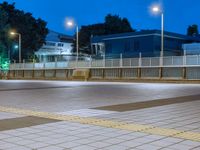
(108, 124)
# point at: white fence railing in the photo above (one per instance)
(170, 61)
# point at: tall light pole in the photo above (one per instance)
(71, 24)
(20, 42)
(157, 9)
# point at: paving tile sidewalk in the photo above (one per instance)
(65, 135)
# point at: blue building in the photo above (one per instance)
(192, 49)
(147, 42)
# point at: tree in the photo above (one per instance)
(33, 30)
(113, 24)
(4, 40)
(85, 34)
(193, 30)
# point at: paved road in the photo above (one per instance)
(156, 125)
(59, 96)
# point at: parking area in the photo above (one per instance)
(51, 115)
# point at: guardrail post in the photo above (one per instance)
(23, 65)
(103, 73)
(161, 61)
(184, 65)
(161, 67)
(23, 69)
(184, 73)
(14, 73)
(139, 66)
(56, 60)
(104, 61)
(56, 65)
(120, 73)
(140, 59)
(90, 61)
(121, 60)
(184, 59)
(33, 68)
(150, 62)
(44, 67)
(76, 62)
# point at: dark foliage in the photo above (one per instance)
(193, 30)
(33, 30)
(113, 24)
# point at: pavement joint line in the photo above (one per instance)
(193, 136)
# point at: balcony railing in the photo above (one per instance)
(170, 61)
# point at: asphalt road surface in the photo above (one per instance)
(60, 96)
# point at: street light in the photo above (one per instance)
(16, 46)
(20, 41)
(70, 23)
(157, 9)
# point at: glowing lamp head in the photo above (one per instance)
(16, 46)
(70, 23)
(156, 9)
(12, 33)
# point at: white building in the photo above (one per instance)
(191, 49)
(58, 46)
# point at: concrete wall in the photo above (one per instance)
(174, 73)
(130, 73)
(193, 73)
(150, 73)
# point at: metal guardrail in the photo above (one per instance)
(171, 61)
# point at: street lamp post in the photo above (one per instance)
(20, 41)
(157, 9)
(162, 30)
(77, 42)
(71, 24)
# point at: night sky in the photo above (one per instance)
(178, 13)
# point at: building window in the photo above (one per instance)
(98, 47)
(127, 46)
(136, 45)
(93, 48)
(158, 47)
(108, 47)
(60, 44)
(50, 44)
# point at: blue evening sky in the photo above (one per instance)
(178, 13)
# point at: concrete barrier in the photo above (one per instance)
(11, 74)
(19, 74)
(61, 73)
(193, 73)
(81, 74)
(96, 73)
(172, 73)
(130, 73)
(150, 73)
(50, 73)
(39, 74)
(28, 74)
(111, 73)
